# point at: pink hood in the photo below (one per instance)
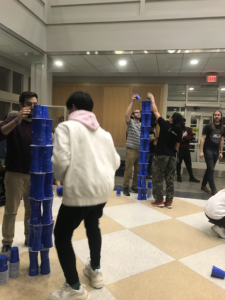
(85, 117)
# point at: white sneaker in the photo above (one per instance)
(67, 293)
(96, 277)
(220, 231)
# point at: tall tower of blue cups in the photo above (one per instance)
(41, 193)
(144, 149)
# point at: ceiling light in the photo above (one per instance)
(223, 89)
(194, 62)
(183, 93)
(58, 63)
(186, 51)
(171, 51)
(146, 52)
(88, 53)
(178, 51)
(131, 52)
(96, 52)
(191, 88)
(122, 62)
(119, 52)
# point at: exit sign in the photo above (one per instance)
(211, 78)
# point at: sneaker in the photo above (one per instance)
(96, 277)
(168, 205)
(126, 192)
(218, 230)
(214, 192)
(204, 188)
(158, 204)
(133, 190)
(193, 179)
(179, 179)
(67, 293)
(5, 250)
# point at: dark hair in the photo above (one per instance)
(27, 95)
(81, 100)
(221, 122)
(178, 122)
(184, 119)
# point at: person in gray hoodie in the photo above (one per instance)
(84, 157)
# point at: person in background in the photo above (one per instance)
(215, 212)
(2, 170)
(132, 148)
(164, 164)
(152, 150)
(184, 154)
(17, 132)
(211, 146)
(84, 157)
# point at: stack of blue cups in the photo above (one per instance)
(41, 193)
(144, 149)
(4, 271)
(14, 263)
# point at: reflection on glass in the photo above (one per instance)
(222, 94)
(177, 92)
(204, 93)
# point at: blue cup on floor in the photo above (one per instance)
(143, 183)
(144, 194)
(47, 235)
(146, 169)
(139, 177)
(142, 132)
(41, 138)
(216, 272)
(59, 191)
(144, 157)
(35, 217)
(118, 192)
(45, 268)
(38, 125)
(33, 268)
(146, 132)
(46, 217)
(31, 236)
(44, 255)
(37, 245)
(14, 255)
(139, 194)
(48, 185)
(49, 138)
(3, 263)
(37, 111)
(148, 120)
(45, 112)
(49, 126)
(138, 97)
(150, 185)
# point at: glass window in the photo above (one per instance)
(222, 94)
(177, 92)
(204, 93)
(15, 107)
(17, 83)
(4, 109)
(4, 79)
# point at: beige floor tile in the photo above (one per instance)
(180, 208)
(114, 200)
(176, 238)
(39, 287)
(172, 281)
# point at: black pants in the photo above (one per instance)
(69, 218)
(211, 157)
(220, 222)
(184, 154)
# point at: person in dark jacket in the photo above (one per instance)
(184, 154)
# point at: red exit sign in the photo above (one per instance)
(211, 78)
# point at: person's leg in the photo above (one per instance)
(179, 163)
(136, 169)
(27, 213)
(129, 162)
(211, 159)
(215, 158)
(158, 173)
(14, 185)
(187, 161)
(151, 157)
(205, 177)
(169, 177)
(69, 218)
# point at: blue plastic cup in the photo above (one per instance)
(14, 255)
(39, 125)
(31, 236)
(34, 138)
(49, 138)
(216, 272)
(142, 132)
(45, 268)
(148, 119)
(47, 235)
(143, 183)
(140, 157)
(145, 169)
(44, 255)
(142, 147)
(48, 185)
(139, 194)
(150, 185)
(144, 194)
(35, 217)
(46, 217)
(147, 106)
(49, 126)
(40, 139)
(3, 263)
(39, 179)
(45, 112)
(33, 268)
(47, 165)
(37, 245)
(138, 97)
(143, 106)
(146, 132)
(34, 166)
(34, 151)
(32, 187)
(146, 144)
(47, 152)
(139, 177)
(37, 111)
(59, 191)
(118, 192)
(141, 169)
(144, 157)
(143, 119)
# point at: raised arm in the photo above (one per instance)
(129, 109)
(153, 105)
(202, 142)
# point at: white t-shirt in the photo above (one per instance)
(215, 206)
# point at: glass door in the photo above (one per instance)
(194, 144)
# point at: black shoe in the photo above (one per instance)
(193, 179)
(179, 179)
(126, 192)
(2, 202)
(26, 242)
(5, 250)
(133, 190)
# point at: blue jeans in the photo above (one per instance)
(211, 157)
(150, 160)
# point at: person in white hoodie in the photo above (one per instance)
(84, 157)
(215, 212)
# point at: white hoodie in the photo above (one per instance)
(84, 157)
(215, 206)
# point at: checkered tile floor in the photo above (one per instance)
(148, 253)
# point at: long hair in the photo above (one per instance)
(178, 122)
(221, 122)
